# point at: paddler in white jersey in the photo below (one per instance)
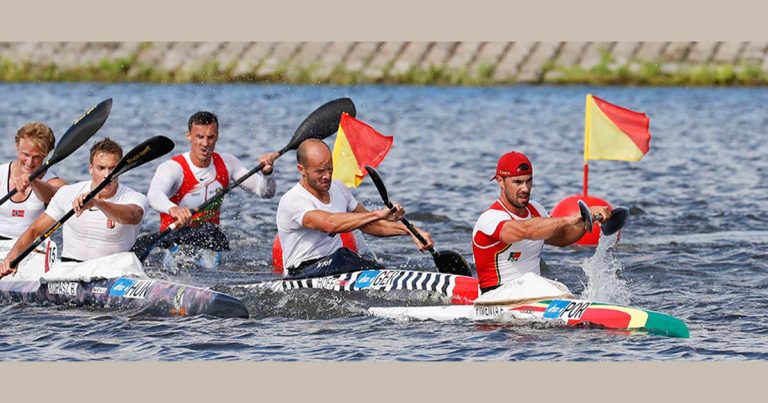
(188, 180)
(33, 143)
(318, 206)
(109, 223)
(508, 237)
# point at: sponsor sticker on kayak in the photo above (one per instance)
(63, 288)
(130, 288)
(566, 309)
(488, 311)
(375, 278)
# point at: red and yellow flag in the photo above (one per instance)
(357, 145)
(614, 133)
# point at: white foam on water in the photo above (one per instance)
(602, 270)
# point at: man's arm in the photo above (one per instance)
(166, 182)
(388, 228)
(258, 184)
(381, 228)
(40, 225)
(573, 233)
(334, 223)
(130, 211)
(540, 228)
(44, 190)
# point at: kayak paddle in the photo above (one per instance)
(446, 261)
(586, 215)
(77, 134)
(141, 154)
(619, 217)
(321, 123)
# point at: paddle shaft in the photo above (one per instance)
(413, 231)
(47, 234)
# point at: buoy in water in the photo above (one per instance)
(569, 206)
(347, 239)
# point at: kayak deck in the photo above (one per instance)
(461, 289)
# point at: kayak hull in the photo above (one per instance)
(148, 297)
(565, 312)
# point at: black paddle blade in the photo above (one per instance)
(376, 178)
(619, 217)
(82, 130)
(451, 262)
(149, 150)
(322, 122)
(586, 215)
(144, 245)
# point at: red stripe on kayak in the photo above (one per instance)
(465, 291)
(606, 317)
(531, 308)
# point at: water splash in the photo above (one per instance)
(601, 270)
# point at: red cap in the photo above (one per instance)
(513, 164)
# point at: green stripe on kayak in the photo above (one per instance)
(659, 323)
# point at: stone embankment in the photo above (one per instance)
(452, 63)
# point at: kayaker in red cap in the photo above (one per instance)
(508, 237)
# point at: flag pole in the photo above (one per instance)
(586, 143)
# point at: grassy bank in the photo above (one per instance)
(607, 72)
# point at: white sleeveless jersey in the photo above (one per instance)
(92, 235)
(15, 217)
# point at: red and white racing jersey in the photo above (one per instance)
(498, 262)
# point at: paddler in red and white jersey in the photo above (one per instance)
(312, 214)
(33, 143)
(187, 180)
(508, 237)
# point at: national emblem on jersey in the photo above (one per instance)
(110, 224)
(514, 256)
(17, 213)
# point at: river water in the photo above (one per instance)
(695, 247)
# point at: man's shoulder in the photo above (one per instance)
(172, 162)
(339, 188)
(127, 191)
(539, 207)
(68, 192)
(493, 214)
(226, 156)
(73, 187)
(296, 191)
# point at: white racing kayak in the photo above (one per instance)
(346, 271)
(532, 298)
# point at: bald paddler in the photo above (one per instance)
(189, 179)
(508, 237)
(312, 214)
